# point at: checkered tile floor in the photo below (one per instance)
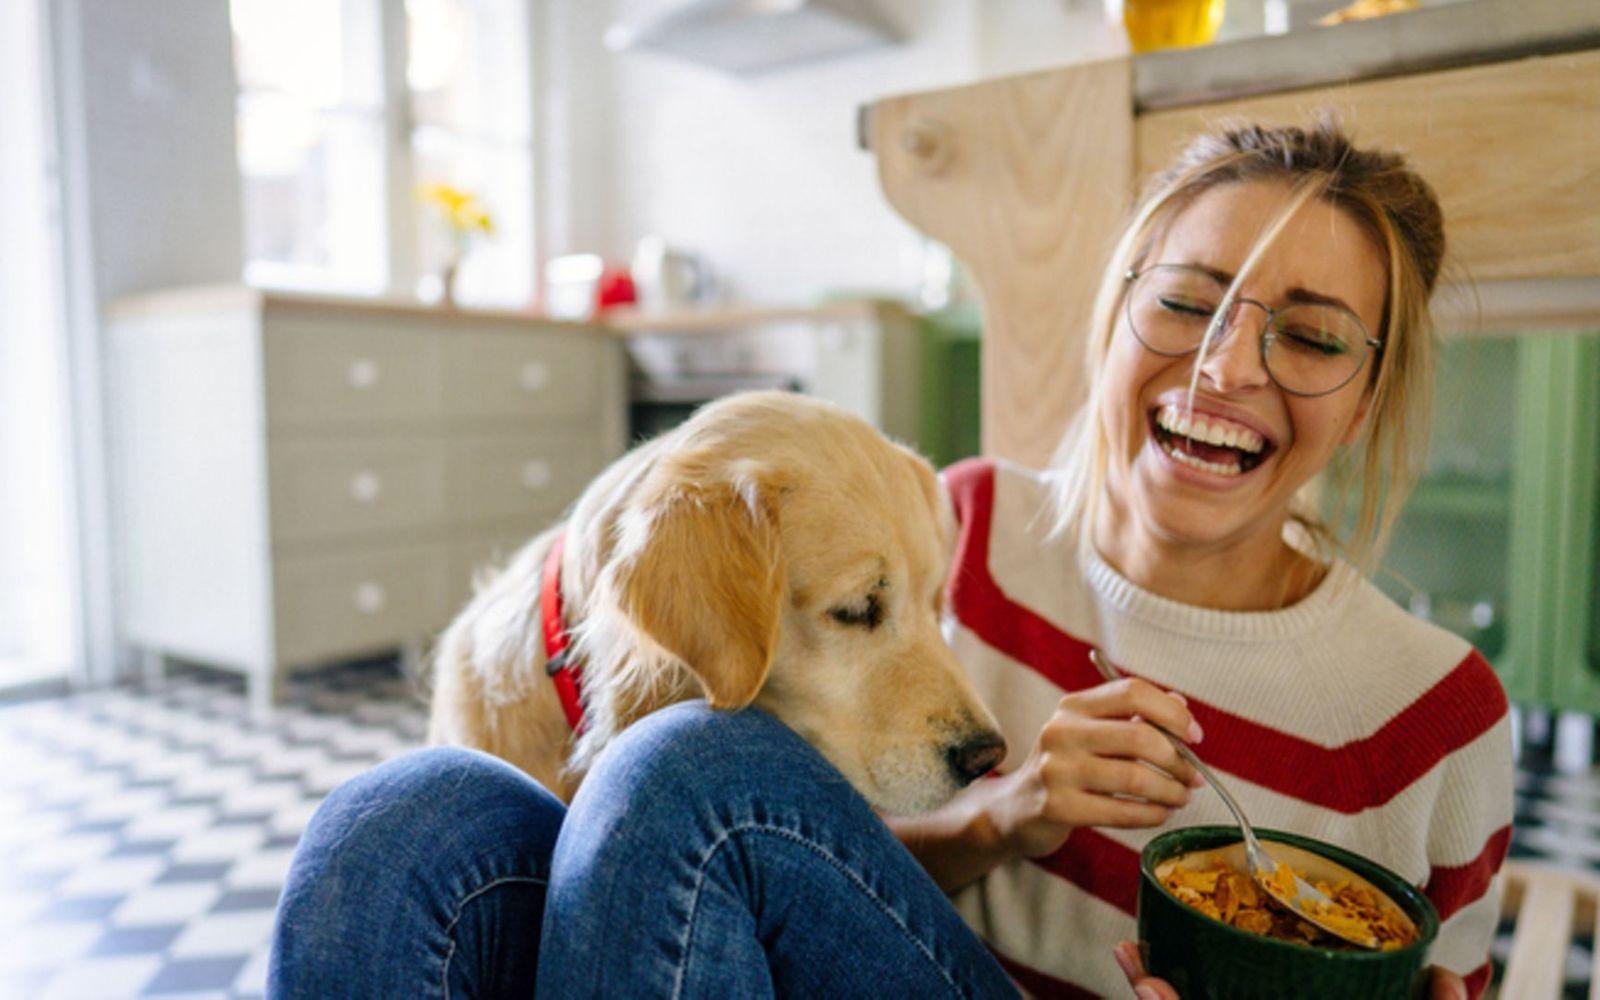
(145, 835)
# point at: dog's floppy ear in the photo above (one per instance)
(701, 574)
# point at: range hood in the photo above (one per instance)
(754, 36)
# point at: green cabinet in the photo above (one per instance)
(1501, 540)
(948, 384)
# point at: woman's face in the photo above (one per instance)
(1320, 252)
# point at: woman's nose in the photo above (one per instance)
(1233, 358)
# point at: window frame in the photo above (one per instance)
(401, 254)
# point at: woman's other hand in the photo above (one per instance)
(1097, 763)
(1443, 984)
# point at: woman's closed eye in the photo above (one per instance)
(1187, 307)
(1313, 341)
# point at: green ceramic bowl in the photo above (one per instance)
(1205, 958)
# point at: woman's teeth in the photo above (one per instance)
(1200, 463)
(1218, 446)
(1195, 427)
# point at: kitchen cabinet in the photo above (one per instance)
(914, 377)
(299, 480)
(1500, 542)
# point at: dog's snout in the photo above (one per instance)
(976, 756)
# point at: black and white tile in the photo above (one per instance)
(146, 834)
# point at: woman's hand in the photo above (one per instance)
(1096, 763)
(1443, 984)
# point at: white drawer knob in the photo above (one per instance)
(534, 376)
(362, 373)
(536, 474)
(370, 598)
(365, 487)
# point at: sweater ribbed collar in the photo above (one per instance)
(1315, 609)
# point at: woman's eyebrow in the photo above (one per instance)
(1296, 294)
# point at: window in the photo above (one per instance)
(347, 106)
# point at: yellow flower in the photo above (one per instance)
(459, 209)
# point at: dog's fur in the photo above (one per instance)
(739, 557)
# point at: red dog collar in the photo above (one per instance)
(565, 674)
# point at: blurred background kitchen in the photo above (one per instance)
(314, 307)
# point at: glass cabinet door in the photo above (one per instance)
(1499, 542)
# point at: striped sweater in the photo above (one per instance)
(1340, 718)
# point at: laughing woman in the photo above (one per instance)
(1262, 330)
(1262, 325)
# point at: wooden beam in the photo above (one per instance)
(1512, 149)
(1026, 179)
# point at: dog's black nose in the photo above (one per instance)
(976, 756)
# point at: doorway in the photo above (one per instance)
(37, 611)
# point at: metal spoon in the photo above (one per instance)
(1307, 902)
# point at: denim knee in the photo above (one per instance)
(435, 797)
(411, 873)
(726, 762)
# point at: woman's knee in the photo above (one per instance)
(440, 794)
(431, 847)
(691, 758)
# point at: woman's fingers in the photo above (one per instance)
(1109, 776)
(1134, 740)
(1446, 985)
(1145, 986)
(1129, 697)
(1124, 814)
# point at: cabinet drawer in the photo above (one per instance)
(521, 375)
(332, 606)
(321, 489)
(521, 475)
(324, 372)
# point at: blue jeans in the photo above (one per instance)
(706, 854)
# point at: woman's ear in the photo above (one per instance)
(700, 572)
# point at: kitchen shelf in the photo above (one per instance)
(724, 319)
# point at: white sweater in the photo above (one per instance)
(1341, 718)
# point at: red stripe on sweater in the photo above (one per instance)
(1454, 886)
(1038, 984)
(1098, 865)
(1359, 775)
(1478, 981)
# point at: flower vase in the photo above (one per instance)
(447, 284)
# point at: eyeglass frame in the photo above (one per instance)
(1269, 330)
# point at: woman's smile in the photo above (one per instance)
(1209, 439)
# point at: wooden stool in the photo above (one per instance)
(1550, 906)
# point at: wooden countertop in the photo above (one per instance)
(616, 323)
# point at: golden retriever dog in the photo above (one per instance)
(773, 550)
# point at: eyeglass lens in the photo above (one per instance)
(1311, 348)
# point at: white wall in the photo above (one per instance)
(157, 103)
(762, 174)
(143, 99)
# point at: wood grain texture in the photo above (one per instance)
(1027, 180)
(1513, 150)
(1535, 967)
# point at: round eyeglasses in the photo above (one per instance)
(1307, 348)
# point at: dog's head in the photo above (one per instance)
(789, 555)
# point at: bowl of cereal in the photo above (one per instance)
(1206, 928)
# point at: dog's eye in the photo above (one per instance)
(866, 613)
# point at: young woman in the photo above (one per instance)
(1262, 326)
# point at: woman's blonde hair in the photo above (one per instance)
(1399, 212)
